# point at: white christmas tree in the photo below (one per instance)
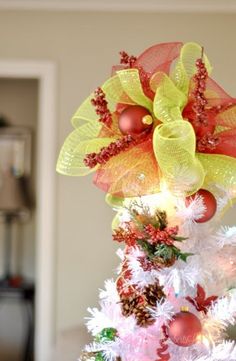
(160, 135)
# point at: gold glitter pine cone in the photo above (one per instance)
(153, 294)
(161, 262)
(128, 304)
(143, 316)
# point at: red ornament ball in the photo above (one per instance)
(209, 202)
(135, 120)
(184, 328)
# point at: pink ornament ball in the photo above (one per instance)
(209, 202)
(184, 329)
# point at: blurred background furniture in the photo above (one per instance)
(15, 207)
(15, 202)
(25, 294)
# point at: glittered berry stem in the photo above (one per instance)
(200, 102)
(101, 107)
(127, 59)
(106, 153)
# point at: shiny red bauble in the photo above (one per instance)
(135, 120)
(184, 329)
(209, 202)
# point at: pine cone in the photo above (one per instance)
(128, 304)
(153, 294)
(161, 262)
(137, 304)
(86, 356)
(143, 219)
(162, 217)
(143, 316)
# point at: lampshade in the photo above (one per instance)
(14, 198)
(15, 150)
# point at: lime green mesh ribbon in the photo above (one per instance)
(174, 147)
(174, 140)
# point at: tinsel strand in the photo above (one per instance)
(161, 351)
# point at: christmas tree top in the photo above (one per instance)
(160, 136)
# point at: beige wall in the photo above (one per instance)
(84, 46)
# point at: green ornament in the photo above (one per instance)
(99, 357)
(107, 334)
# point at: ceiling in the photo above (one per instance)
(213, 6)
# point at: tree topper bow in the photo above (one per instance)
(192, 140)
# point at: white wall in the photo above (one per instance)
(84, 46)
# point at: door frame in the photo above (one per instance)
(45, 73)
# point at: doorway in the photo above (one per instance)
(40, 76)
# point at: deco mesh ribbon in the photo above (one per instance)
(192, 142)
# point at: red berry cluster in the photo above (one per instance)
(101, 108)
(127, 59)
(145, 80)
(165, 236)
(113, 149)
(208, 142)
(126, 235)
(200, 100)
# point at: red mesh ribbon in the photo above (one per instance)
(157, 58)
(161, 351)
(131, 173)
(221, 121)
(227, 143)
